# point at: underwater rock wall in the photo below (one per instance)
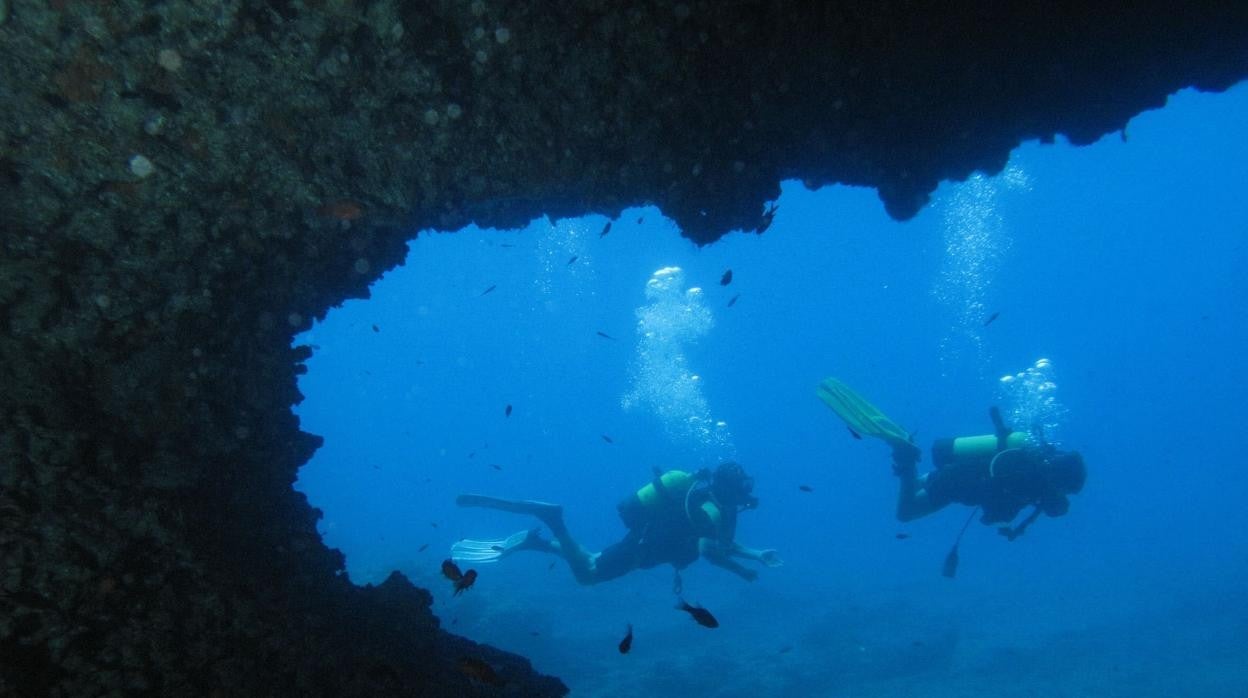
(185, 185)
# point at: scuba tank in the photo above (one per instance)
(974, 450)
(639, 508)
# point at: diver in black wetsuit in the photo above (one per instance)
(1001, 473)
(675, 519)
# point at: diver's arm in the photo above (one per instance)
(717, 555)
(768, 557)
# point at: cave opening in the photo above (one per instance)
(516, 363)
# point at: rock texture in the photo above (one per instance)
(184, 185)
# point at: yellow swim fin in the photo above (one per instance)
(861, 416)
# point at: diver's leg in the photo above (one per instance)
(579, 560)
(912, 496)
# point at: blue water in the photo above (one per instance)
(1121, 263)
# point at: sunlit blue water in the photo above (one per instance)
(1122, 264)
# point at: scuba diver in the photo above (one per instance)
(1000, 473)
(674, 519)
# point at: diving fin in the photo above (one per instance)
(861, 416)
(547, 513)
(486, 551)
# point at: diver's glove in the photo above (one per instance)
(771, 558)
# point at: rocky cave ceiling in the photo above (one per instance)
(185, 185)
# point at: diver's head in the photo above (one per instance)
(732, 487)
(1066, 472)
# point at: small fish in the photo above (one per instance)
(572, 259)
(376, 328)
(769, 214)
(550, 567)
(472, 454)
(700, 615)
(902, 536)
(433, 523)
(506, 244)
(991, 318)
(806, 488)
(534, 633)
(640, 219)
(785, 649)
(608, 439)
(627, 643)
(733, 301)
(726, 278)
(507, 410)
(480, 671)
(464, 583)
(853, 433)
(490, 289)
(423, 548)
(496, 466)
(605, 229)
(604, 335)
(450, 570)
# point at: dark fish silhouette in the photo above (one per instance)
(785, 649)
(496, 466)
(627, 643)
(464, 583)
(433, 523)
(451, 571)
(902, 536)
(423, 548)
(853, 433)
(607, 439)
(550, 567)
(806, 488)
(507, 410)
(700, 615)
(733, 301)
(488, 290)
(572, 259)
(640, 219)
(605, 229)
(726, 278)
(604, 335)
(506, 244)
(376, 328)
(991, 318)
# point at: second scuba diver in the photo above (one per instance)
(675, 519)
(1000, 473)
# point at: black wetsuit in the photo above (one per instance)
(1002, 490)
(665, 535)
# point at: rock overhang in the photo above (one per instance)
(183, 186)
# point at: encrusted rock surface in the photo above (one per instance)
(184, 185)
